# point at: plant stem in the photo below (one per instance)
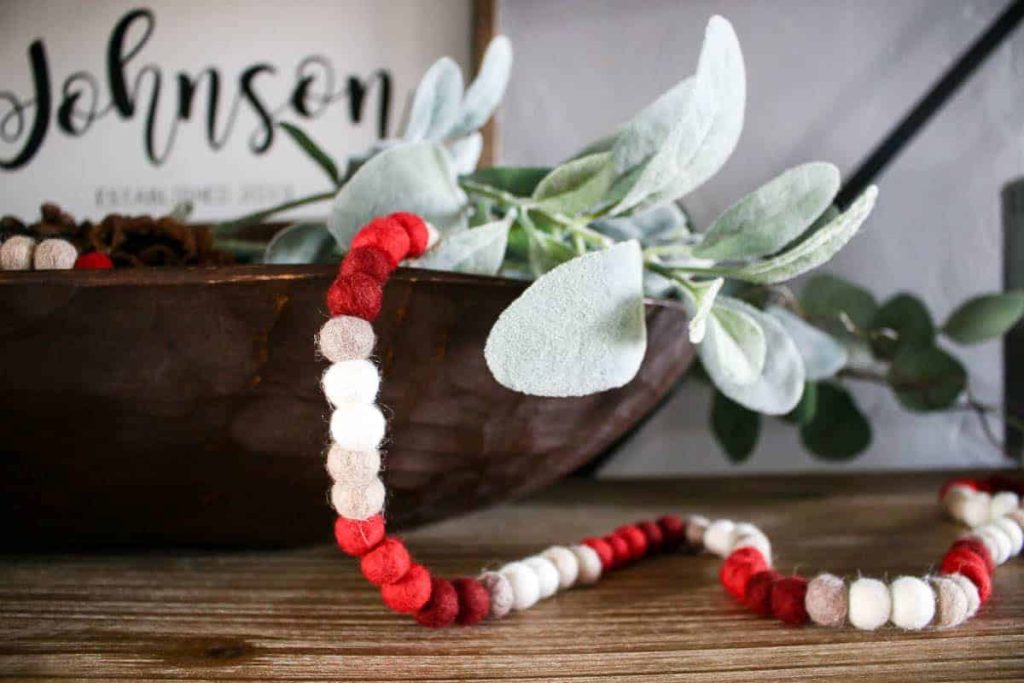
(232, 227)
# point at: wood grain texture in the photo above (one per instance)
(163, 403)
(307, 614)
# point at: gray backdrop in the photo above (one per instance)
(826, 80)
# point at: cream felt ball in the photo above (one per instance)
(996, 540)
(352, 467)
(589, 564)
(359, 501)
(870, 604)
(547, 575)
(975, 508)
(1013, 532)
(826, 600)
(1003, 503)
(749, 536)
(565, 562)
(16, 253)
(696, 527)
(525, 585)
(950, 602)
(913, 603)
(970, 592)
(55, 254)
(351, 381)
(500, 590)
(357, 426)
(719, 536)
(346, 337)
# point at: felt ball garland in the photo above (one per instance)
(991, 507)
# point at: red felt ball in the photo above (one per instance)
(603, 550)
(474, 601)
(443, 606)
(358, 536)
(621, 554)
(410, 592)
(998, 483)
(788, 600)
(673, 530)
(652, 532)
(963, 561)
(960, 481)
(387, 235)
(368, 260)
(758, 597)
(738, 568)
(94, 260)
(386, 563)
(635, 539)
(978, 547)
(358, 295)
(416, 229)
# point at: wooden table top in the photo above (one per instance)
(307, 613)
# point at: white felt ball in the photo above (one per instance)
(16, 253)
(975, 509)
(870, 604)
(719, 537)
(565, 562)
(433, 235)
(589, 564)
(956, 499)
(357, 426)
(1013, 532)
(351, 381)
(996, 540)
(1003, 503)
(749, 536)
(913, 603)
(352, 467)
(346, 337)
(970, 591)
(950, 602)
(359, 501)
(547, 575)
(525, 585)
(696, 525)
(55, 254)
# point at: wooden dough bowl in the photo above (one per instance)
(182, 406)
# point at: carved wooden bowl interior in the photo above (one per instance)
(182, 407)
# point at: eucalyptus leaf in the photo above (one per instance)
(839, 430)
(485, 92)
(735, 428)
(700, 299)
(520, 182)
(415, 177)
(807, 407)
(437, 102)
(827, 297)
(575, 186)
(577, 330)
(778, 388)
(315, 152)
(818, 248)
(985, 317)
(773, 215)
(300, 243)
(907, 320)
(734, 347)
(822, 355)
(465, 152)
(479, 250)
(926, 378)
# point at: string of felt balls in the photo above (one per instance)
(357, 429)
(21, 252)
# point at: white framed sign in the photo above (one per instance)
(112, 106)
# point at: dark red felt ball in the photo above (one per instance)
(368, 260)
(960, 481)
(963, 561)
(1002, 482)
(443, 606)
(758, 597)
(738, 568)
(603, 550)
(673, 530)
(416, 229)
(410, 592)
(358, 295)
(978, 547)
(94, 260)
(358, 536)
(635, 539)
(387, 235)
(621, 554)
(474, 601)
(387, 563)
(655, 538)
(788, 600)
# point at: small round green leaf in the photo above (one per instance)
(839, 430)
(827, 296)
(985, 317)
(926, 378)
(906, 318)
(736, 428)
(807, 407)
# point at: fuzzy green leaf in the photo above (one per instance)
(485, 92)
(315, 152)
(773, 215)
(577, 185)
(479, 250)
(839, 430)
(926, 378)
(985, 317)
(437, 102)
(465, 152)
(700, 301)
(579, 329)
(822, 355)
(300, 243)
(735, 428)
(734, 346)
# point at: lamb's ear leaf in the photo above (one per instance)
(300, 243)
(577, 330)
(479, 250)
(576, 185)
(485, 92)
(465, 153)
(822, 354)
(435, 106)
(734, 347)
